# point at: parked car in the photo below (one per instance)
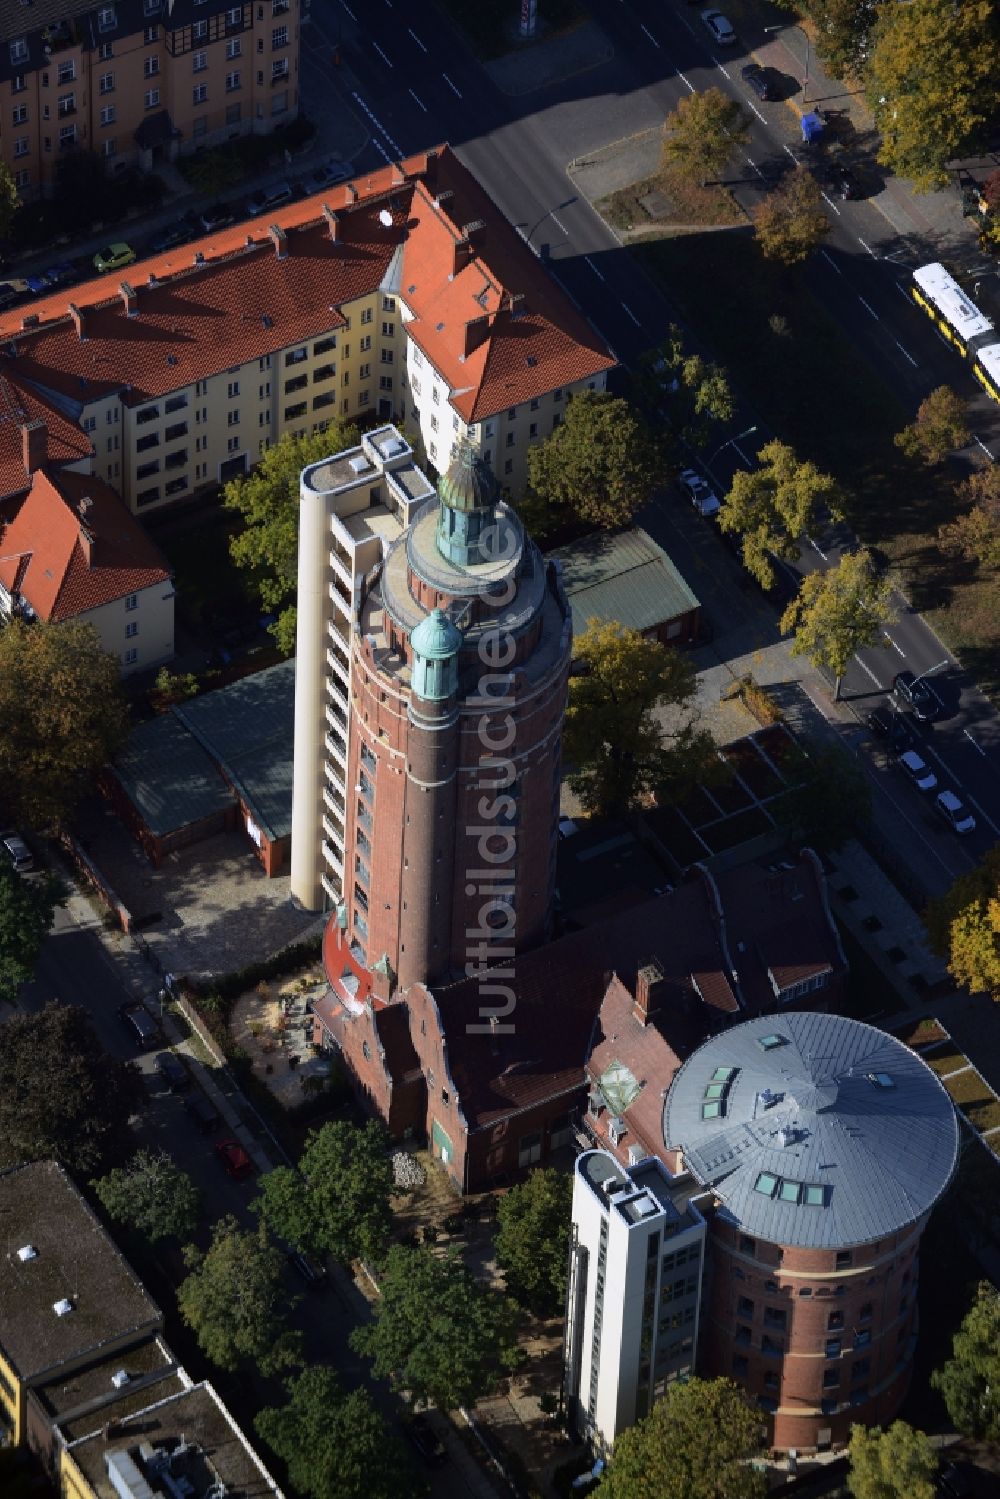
(421, 1433)
(314, 1275)
(18, 853)
(173, 234)
(721, 29)
(269, 197)
(902, 734)
(114, 257)
(61, 272)
(918, 770)
(203, 1111)
(9, 294)
(140, 1022)
(757, 80)
(327, 175)
(234, 1159)
(37, 282)
(918, 694)
(955, 812)
(172, 1070)
(217, 217)
(704, 500)
(841, 181)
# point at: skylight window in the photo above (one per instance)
(881, 1080)
(814, 1196)
(724, 1074)
(790, 1191)
(711, 1110)
(715, 1090)
(770, 1042)
(766, 1184)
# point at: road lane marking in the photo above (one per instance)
(984, 447)
(349, 11)
(631, 314)
(451, 85)
(420, 102)
(830, 203)
(867, 247)
(905, 353)
(561, 227)
(593, 268)
(755, 166)
(869, 309)
(416, 39)
(722, 70)
(816, 548)
(831, 262)
(867, 669)
(757, 112)
(974, 744)
(381, 54)
(378, 126)
(790, 152)
(652, 38)
(687, 84)
(984, 815)
(893, 643)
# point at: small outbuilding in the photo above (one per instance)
(626, 576)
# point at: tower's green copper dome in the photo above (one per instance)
(436, 638)
(470, 483)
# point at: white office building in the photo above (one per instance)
(636, 1263)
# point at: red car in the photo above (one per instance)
(234, 1159)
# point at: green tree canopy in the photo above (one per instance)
(790, 222)
(688, 392)
(896, 1464)
(336, 1446)
(152, 1195)
(267, 500)
(437, 1333)
(829, 801)
(617, 747)
(842, 32)
(931, 82)
(236, 1303)
(337, 1202)
(975, 532)
(63, 716)
(599, 465)
(9, 201)
(838, 612)
(26, 908)
(773, 505)
(532, 1245)
(964, 926)
(695, 1443)
(970, 1381)
(62, 1096)
(701, 134)
(941, 426)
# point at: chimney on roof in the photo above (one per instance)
(430, 166)
(352, 192)
(516, 302)
(34, 445)
(476, 231)
(279, 239)
(461, 255)
(477, 330)
(442, 197)
(333, 222)
(129, 299)
(398, 175)
(87, 542)
(647, 981)
(77, 317)
(30, 320)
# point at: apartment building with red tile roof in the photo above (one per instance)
(73, 552)
(405, 294)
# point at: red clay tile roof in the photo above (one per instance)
(244, 302)
(651, 1059)
(20, 404)
(55, 576)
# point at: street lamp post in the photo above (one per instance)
(930, 672)
(793, 26)
(730, 442)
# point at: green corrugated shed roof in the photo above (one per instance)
(623, 576)
(169, 778)
(247, 728)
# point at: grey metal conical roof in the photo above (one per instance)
(470, 483)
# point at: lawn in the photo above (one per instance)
(926, 1032)
(943, 1062)
(681, 202)
(983, 1116)
(968, 1089)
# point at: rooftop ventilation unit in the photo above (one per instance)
(359, 464)
(120, 1378)
(27, 1252)
(62, 1307)
(616, 1130)
(767, 1098)
(385, 218)
(787, 1136)
(392, 446)
(635, 1154)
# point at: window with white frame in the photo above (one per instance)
(106, 18)
(19, 50)
(199, 62)
(131, 629)
(66, 72)
(199, 93)
(152, 98)
(234, 48)
(232, 82)
(21, 146)
(106, 83)
(150, 67)
(108, 114)
(279, 38)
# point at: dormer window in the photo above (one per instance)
(19, 50)
(106, 18)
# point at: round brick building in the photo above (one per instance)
(824, 1144)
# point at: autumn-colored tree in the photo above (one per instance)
(842, 31)
(837, 612)
(931, 81)
(790, 222)
(689, 393)
(63, 716)
(598, 466)
(619, 750)
(970, 1380)
(990, 190)
(964, 926)
(975, 534)
(701, 134)
(774, 504)
(941, 427)
(9, 201)
(896, 1464)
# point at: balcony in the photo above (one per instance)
(335, 718)
(335, 835)
(331, 887)
(338, 631)
(340, 562)
(334, 860)
(334, 801)
(336, 662)
(336, 749)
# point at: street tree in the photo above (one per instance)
(62, 1096)
(789, 223)
(974, 534)
(990, 190)
(235, 1301)
(151, 1194)
(63, 716)
(701, 134)
(689, 393)
(532, 1243)
(941, 426)
(964, 927)
(9, 200)
(436, 1332)
(773, 505)
(896, 1464)
(843, 33)
(26, 909)
(838, 612)
(969, 1383)
(267, 501)
(337, 1201)
(931, 82)
(615, 742)
(336, 1445)
(598, 466)
(828, 801)
(696, 1443)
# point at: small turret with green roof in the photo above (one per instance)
(435, 643)
(469, 494)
